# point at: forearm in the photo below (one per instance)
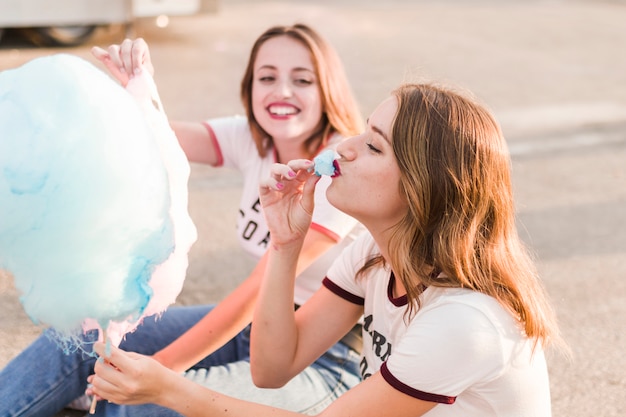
(131, 379)
(274, 332)
(193, 400)
(211, 333)
(215, 329)
(195, 141)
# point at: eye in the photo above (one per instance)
(373, 148)
(303, 81)
(266, 79)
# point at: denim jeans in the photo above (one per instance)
(42, 379)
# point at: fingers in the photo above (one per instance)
(126, 59)
(140, 56)
(110, 58)
(99, 53)
(125, 55)
(110, 381)
(122, 56)
(101, 349)
(308, 193)
(279, 173)
(300, 164)
(289, 184)
(114, 355)
(102, 384)
(134, 55)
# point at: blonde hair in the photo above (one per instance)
(455, 176)
(340, 113)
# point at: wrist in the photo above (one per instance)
(173, 392)
(289, 249)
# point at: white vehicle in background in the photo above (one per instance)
(72, 22)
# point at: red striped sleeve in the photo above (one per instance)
(337, 290)
(216, 145)
(420, 395)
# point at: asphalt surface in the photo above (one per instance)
(553, 72)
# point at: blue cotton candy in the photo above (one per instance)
(324, 163)
(85, 197)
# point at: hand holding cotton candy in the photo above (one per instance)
(93, 189)
(324, 163)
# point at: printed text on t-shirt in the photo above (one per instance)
(379, 345)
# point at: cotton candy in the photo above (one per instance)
(93, 197)
(324, 163)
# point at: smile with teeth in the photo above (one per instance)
(282, 110)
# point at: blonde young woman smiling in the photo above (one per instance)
(455, 319)
(286, 91)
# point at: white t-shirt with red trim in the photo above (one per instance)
(238, 151)
(462, 349)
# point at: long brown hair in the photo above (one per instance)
(340, 113)
(455, 176)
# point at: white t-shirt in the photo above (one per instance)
(462, 349)
(238, 151)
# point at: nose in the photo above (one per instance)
(284, 88)
(347, 149)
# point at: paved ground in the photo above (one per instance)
(553, 72)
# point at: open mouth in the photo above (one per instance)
(282, 110)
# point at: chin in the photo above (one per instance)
(337, 198)
(287, 134)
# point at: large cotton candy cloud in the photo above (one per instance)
(93, 197)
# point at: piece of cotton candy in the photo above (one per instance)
(93, 198)
(324, 163)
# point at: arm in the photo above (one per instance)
(283, 342)
(195, 141)
(233, 313)
(130, 378)
(130, 58)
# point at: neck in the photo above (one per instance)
(381, 237)
(381, 233)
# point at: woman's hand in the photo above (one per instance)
(287, 197)
(126, 59)
(127, 377)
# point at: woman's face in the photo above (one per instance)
(286, 97)
(367, 186)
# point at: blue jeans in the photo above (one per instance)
(42, 379)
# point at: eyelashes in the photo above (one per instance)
(372, 148)
(301, 82)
